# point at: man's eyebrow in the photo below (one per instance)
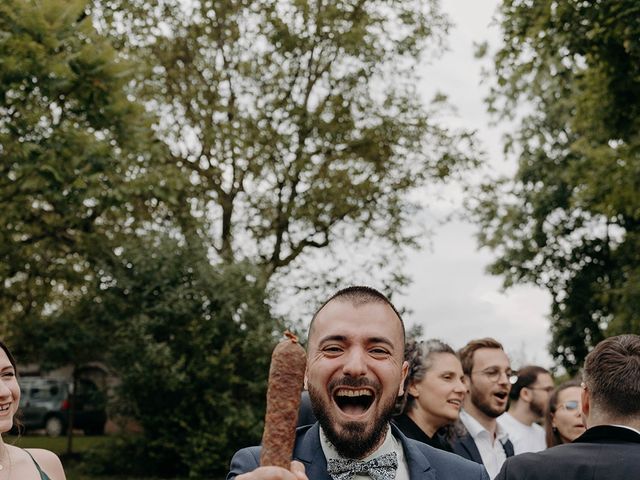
(384, 340)
(332, 338)
(343, 338)
(7, 367)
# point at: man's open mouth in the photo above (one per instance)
(353, 401)
(501, 395)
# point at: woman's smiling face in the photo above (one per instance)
(9, 392)
(440, 393)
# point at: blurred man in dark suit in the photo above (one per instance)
(610, 448)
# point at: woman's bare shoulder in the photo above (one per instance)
(49, 463)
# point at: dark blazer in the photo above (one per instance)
(411, 430)
(465, 446)
(425, 462)
(601, 453)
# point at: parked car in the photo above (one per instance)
(45, 403)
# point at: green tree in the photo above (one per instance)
(79, 171)
(298, 123)
(191, 345)
(569, 220)
(76, 151)
(72, 336)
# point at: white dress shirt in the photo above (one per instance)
(525, 438)
(491, 450)
(390, 444)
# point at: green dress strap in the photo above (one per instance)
(43, 476)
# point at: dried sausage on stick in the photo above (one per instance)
(286, 377)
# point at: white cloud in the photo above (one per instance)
(452, 296)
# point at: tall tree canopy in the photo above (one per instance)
(569, 220)
(298, 123)
(75, 156)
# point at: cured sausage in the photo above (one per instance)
(286, 377)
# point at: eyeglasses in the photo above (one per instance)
(494, 374)
(570, 405)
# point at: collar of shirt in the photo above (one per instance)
(492, 453)
(628, 428)
(475, 428)
(390, 444)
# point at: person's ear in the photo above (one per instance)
(413, 390)
(526, 394)
(405, 372)
(585, 403)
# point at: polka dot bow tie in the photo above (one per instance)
(380, 468)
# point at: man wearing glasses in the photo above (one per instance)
(529, 398)
(488, 376)
(610, 402)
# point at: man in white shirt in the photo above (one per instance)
(529, 399)
(488, 375)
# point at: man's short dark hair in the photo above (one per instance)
(612, 375)
(359, 295)
(527, 376)
(466, 352)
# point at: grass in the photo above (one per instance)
(72, 465)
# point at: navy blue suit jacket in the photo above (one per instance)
(601, 453)
(466, 447)
(425, 462)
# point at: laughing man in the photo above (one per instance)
(355, 372)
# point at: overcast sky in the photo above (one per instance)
(451, 295)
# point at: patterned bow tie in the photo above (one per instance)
(379, 468)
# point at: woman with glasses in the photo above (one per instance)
(563, 419)
(434, 391)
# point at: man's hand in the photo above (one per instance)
(296, 472)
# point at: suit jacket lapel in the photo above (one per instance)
(508, 448)
(469, 445)
(419, 466)
(309, 451)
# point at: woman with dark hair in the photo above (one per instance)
(563, 418)
(17, 463)
(434, 391)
